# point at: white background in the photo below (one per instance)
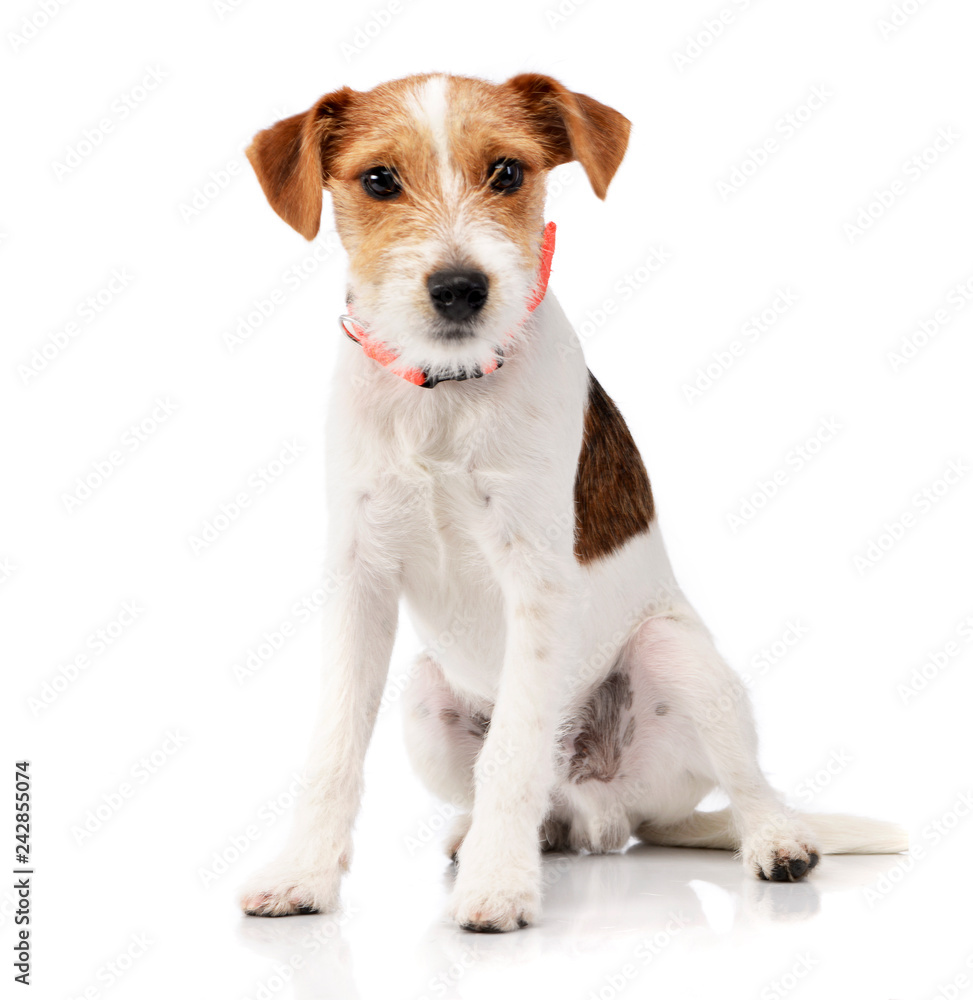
(166, 198)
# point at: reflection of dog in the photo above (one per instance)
(570, 694)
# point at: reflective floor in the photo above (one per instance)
(651, 921)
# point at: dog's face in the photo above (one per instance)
(438, 190)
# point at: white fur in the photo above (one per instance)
(431, 109)
(460, 499)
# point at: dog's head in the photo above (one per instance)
(438, 190)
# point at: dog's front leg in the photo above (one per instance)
(360, 622)
(498, 879)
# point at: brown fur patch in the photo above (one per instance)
(574, 127)
(292, 160)
(599, 744)
(612, 494)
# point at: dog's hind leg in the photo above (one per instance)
(699, 829)
(774, 841)
(443, 737)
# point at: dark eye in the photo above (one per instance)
(506, 176)
(380, 182)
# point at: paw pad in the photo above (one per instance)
(787, 869)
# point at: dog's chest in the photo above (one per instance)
(436, 470)
(439, 457)
(444, 503)
(449, 586)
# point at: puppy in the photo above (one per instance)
(569, 697)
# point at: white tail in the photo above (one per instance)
(833, 833)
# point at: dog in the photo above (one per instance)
(570, 697)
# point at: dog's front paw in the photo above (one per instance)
(287, 887)
(780, 859)
(494, 906)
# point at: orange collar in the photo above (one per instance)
(386, 357)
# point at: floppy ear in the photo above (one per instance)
(574, 127)
(291, 160)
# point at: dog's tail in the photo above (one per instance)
(833, 833)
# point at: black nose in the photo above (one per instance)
(457, 295)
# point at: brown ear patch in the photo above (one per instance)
(292, 160)
(574, 127)
(612, 495)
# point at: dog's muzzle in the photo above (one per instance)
(460, 295)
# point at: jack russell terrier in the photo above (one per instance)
(480, 471)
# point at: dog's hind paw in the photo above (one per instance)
(781, 860)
